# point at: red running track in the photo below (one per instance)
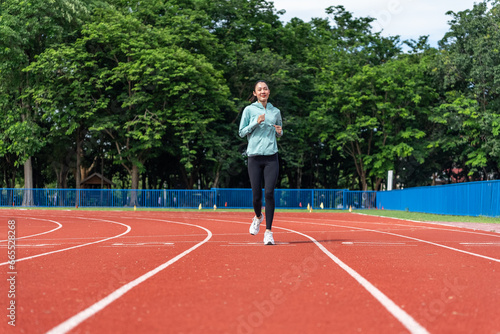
(202, 272)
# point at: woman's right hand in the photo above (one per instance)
(261, 118)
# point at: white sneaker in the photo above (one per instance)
(268, 238)
(255, 226)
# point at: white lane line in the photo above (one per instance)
(100, 305)
(375, 243)
(34, 235)
(407, 237)
(411, 324)
(33, 245)
(78, 246)
(232, 244)
(259, 244)
(140, 244)
(452, 228)
(480, 243)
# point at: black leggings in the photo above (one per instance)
(263, 167)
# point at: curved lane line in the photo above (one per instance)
(411, 238)
(34, 235)
(462, 229)
(411, 324)
(78, 246)
(100, 305)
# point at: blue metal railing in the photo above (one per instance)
(471, 199)
(189, 199)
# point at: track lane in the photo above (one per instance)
(78, 237)
(92, 310)
(446, 289)
(396, 311)
(442, 240)
(63, 284)
(243, 288)
(33, 227)
(234, 285)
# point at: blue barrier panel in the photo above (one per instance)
(284, 198)
(329, 198)
(461, 199)
(6, 197)
(95, 198)
(236, 198)
(293, 198)
(11, 197)
(54, 197)
(172, 198)
(360, 199)
(474, 198)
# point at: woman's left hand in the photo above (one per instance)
(278, 129)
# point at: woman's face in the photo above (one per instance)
(261, 91)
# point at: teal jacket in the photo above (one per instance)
(261, 137)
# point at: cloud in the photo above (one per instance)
(406, 18)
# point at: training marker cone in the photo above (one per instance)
(321, 205)
(199, 207)
(350, 208)
(135, 208)
(215, 207)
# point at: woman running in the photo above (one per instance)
(261, 123)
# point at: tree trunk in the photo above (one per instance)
(299, 177)
(28, 183)
(364, 184)
(144, 181)
(215, 183)
(78, 163)
(135, 185)
(61, 174)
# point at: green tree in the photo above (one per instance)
(68, 96)
(471, 59)
(161, 95)
(369, 102)
(26, 29)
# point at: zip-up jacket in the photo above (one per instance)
(261, 137)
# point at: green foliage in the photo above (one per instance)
(370, 108)
(471, 58)
(154, 89)
(26, 29)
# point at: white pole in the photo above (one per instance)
(390, 176)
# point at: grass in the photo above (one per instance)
(430, 217)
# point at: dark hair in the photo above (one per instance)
(252, 97)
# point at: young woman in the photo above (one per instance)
(261, 123)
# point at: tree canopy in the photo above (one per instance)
(150, 94)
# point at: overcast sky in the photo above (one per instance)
(406, 18)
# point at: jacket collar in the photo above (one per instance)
(260, 106)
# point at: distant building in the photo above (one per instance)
(96, 181)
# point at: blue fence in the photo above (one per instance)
(185, 199)
(461, 199)
(467, 199)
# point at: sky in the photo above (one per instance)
(406, 18)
